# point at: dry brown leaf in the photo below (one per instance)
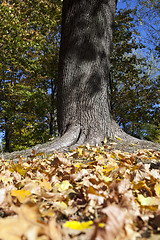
(114, 224)
(54, 230)
(80, 192)
(27, 223)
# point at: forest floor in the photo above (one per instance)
(102, 193)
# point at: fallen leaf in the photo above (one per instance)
(114, 224)
(157, 189)
(118, 138)
(65, 185)
(45, 184)
(21, 195)
(18, 168)
(77, 225)
(148, 201)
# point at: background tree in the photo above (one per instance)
(134, 89)
(149, 11)
(29, 41)
(147, 19)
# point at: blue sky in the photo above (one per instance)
(144, 34)
(1, 136)
(147, 19)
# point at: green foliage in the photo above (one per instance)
(28, 31)
(29, 40)
(151, 132)
(25, 111)
(134, 91)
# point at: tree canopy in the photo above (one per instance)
(29, 60)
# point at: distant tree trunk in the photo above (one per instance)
(7, 136)
(51, 129)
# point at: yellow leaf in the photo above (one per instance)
(106, 179)
(45, 184)
(157, 189)
(92, 190)
(21, 195)
(88, 146)
(101, 225)
(140, 185)
(65, 185)
(80, 150)
(78, 225)
(133, 144)
(118, 138)
(148, 201)
(112, 156)
(105, 140)
(108, 169)
(78, 165)
(18, 168)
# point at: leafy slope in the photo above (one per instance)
(89, 193)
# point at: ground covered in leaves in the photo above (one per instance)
(89, 193)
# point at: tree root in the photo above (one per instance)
(74, 137)
(68, 139)
(118, 132)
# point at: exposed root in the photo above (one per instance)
(98, 139)
(121, 138)
(67, 140)
(118, 132)
(75, 137)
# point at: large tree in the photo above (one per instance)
(83, 102)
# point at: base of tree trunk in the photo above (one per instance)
(74, 137)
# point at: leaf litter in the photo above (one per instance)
(90, 193)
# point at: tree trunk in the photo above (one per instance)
(7, 135)
(51, 129)
(83, 108)
(84, 69)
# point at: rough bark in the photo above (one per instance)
(83, 101)
(84, 69)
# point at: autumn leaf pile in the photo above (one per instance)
(89, 193)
